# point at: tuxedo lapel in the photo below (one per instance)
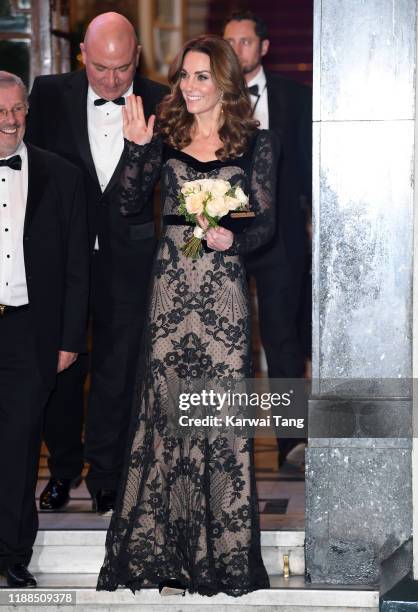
(140, 89)
(115, 176)
(275, 106)
(76, 99)
(37, 181)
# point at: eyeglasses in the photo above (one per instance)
(18, 110)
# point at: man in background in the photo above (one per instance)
(43, 312)
(78, 115)
(283, 106)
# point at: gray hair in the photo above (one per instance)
(8, 79)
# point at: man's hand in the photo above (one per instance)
(65, 359)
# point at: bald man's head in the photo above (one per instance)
(110, 54)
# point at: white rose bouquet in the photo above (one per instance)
(211, 198)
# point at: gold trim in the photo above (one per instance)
(286, 568)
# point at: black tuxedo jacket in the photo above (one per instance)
(290, 117)
(55, 248)
(57, 122)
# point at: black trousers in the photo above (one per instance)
(22, 400)
(63, 423)
(116, 331)
(116, 340)
(279, 297)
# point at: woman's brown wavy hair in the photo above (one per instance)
(237, 126)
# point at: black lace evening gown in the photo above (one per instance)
(187, 508)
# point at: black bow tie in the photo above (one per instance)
(15, 162)
(119, 101)
(253, 90)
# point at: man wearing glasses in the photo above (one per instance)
(43, 311)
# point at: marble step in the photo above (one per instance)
(291, 595)
(57, 551)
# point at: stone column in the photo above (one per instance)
(359, 501)
(41, 44)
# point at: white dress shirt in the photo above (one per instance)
(105, 130)
(261, 109)
(13, 197)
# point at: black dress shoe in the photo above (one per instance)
(56, 494)
(19, 577)
(104, 501)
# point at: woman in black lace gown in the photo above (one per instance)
(187, 509)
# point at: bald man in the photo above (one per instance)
(78, 115)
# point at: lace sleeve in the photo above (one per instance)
(141, 170)
(262, 195)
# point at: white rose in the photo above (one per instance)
(232, 203)
(217, 207)
(220, 187)
(240, 195)
(206, 184)
(198, 232)
(188, 187)
(195, 202)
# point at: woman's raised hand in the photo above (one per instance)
(135, 128)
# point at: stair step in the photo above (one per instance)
(292, 595)
(82, 551)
